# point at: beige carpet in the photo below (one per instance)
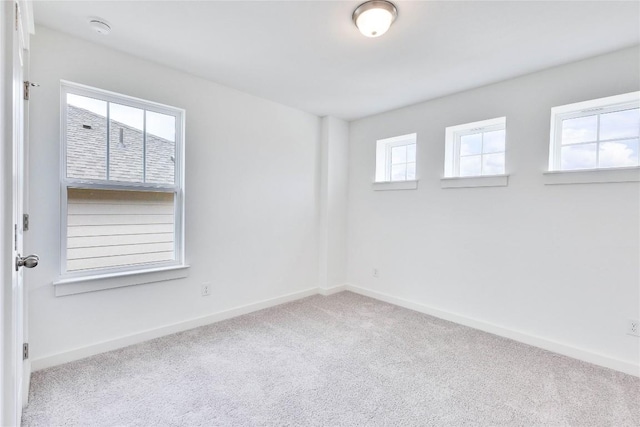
(342, 360)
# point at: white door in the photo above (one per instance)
(16, 52)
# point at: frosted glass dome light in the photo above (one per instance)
(374, 17)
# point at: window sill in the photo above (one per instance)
(395, 185)
(592, 176)
(99, 282)
(475, 181)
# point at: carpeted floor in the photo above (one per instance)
(342, 360)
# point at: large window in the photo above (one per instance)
(396, 159)
(597, 134)
(122, 186)
(476, 149)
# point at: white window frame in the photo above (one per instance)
(383, 159)
(453, 135)
(452, 178)
(177, 188)
(582, 109)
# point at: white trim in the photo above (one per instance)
(149, 334)
(592, 176)
(99, 282)
(177, 188)
(332, 290)
(383, 155)
(452, 144)
(119, 98)
(536, 341)
(27, 26)
(395, 185)
(580, 109)
(475, 181)
(479, 125)
(597, 103)
(8, 413)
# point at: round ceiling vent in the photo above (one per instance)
(100, 26)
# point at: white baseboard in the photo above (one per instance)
(332, 290)
(544, 343)
(104, 346)
(536, 341)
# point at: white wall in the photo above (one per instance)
(268, 187)
(251, 199)
(333, 159)
(558, 262)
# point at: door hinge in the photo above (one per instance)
(25, 222)
(25, 351)
(17, 12)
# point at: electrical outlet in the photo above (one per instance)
(375, 273)
(633, 327)
(206, 289)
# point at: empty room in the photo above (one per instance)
(320, 213)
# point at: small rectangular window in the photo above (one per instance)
(122, 194)
(598, 134)
(476, 149)
(396, 159)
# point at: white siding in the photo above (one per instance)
(107, 228)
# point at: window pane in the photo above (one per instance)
(471, 144)
(126, 144)
(493, 164)
(578, 157)
(411, 153)
(112, 228)
(620, 124)
(399, 172)
(618, 154)
(398, 154)
(161, 148)
(580, 129)
(86, 137)
(493, 141)
(470, 166)
(411, 171)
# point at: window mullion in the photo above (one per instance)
(454, 135)
(118, 187)
(595, 107)
(457, 155)
(103, 197)
(388, 161)
(482, 155)
(108, 136)
(598, 142)
(144, 148)
(557, 155)
(384, 157)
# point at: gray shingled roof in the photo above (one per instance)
(87, 150)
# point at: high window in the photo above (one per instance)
(476, 149)
(121, 183)
(597, 134)
(396, 159)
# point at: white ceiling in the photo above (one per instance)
(309, 55)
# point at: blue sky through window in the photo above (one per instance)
(601, 141)
(158, 124)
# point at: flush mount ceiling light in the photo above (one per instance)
(374, 17)
(99, 26)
